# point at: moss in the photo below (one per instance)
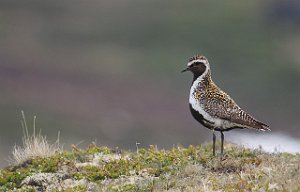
(24, 189)
(79, 188)
(94, 149)
(124, 188)
(10, 178)
(46, 165)
(179, 168)
(154, 161)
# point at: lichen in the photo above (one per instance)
(179, 169)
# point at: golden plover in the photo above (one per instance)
(212, 107)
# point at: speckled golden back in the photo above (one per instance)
(212, 97)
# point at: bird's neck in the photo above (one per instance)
(204, 78)
(200, 84)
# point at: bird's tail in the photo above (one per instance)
(261, 126)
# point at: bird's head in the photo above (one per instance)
(197, 65)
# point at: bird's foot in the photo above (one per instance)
(223, 157)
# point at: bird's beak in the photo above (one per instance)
(187, 69)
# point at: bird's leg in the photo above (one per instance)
(222, 143)
(214, 143)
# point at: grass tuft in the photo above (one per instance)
(33, 145)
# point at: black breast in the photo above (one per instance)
(200, 118)
(208, 124)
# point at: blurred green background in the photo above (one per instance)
(109, 71)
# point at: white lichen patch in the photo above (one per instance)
(112, 157)
(138, 181)
(54, 182)
(100, 158)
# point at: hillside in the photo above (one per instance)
(110, 70)
(178, 169)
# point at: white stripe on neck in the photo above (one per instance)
(195, 103)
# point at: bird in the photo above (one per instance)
(214, 108)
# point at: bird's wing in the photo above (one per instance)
(222, 106)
